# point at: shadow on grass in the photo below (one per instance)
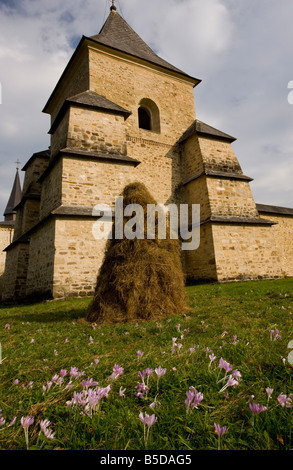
(46, 312)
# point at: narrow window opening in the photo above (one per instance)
(144, 119)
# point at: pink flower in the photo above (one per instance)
(7, 326)
(26, 421)
(121, 392)
(89, 382)
(49, 434)
(142, 390)
(12, 422)
(44, 424)
(225, 365)
(236, 374)
(257, 408)
(220, 431)
(139, 353)
(147, 419)
(193, 398)
(117, 371)
(160, 372)
(284, 400)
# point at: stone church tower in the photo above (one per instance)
(120, 113)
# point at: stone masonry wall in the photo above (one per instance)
(76, 80)
(60, 135)
(199, 265)
(96, 131)
(228, 197)
(51, 195)
(78, 257)
(6, 235)
(41, 261)
(246, 252)
(28, 213)
(127, 83)
(196, 192)
(14, 279)
(283, 235)
(218, 155)
(89, 182)
(191, 159)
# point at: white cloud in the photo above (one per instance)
(241, 49)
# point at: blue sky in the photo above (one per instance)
(241, 49)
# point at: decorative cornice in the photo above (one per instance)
(217, 174)
(276, 210)
(86, 155)
(227, 219)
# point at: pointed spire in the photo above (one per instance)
(117, 34)
(14, 198)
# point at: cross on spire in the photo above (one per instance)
(17, 164)
(113, 6)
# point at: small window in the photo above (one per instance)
(149, 115)
(144, 119)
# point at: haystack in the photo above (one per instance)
(139, 278)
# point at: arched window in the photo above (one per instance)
(149, 115)
(144, 119)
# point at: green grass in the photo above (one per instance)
(62, 340)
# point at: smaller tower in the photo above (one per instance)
(14, 199)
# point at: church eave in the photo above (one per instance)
(76, 153)
(170, 70)
(202, 129)
(111, 108)
(78, 49)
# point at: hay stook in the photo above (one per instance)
(139, 278)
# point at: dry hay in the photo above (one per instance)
(139, 278)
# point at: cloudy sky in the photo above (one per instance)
(241, 49)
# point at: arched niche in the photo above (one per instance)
(148, 115)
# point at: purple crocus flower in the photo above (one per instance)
(257, 408)
(148, 420)
(193, 398)
(220, 431)
(160, 372)
(225, 365)
(26, 421)
(284, 400)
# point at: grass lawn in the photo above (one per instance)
(92, 382)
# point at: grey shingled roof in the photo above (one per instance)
(89, 99)
(117, 34)
(15, 196)
(199, 127)
(94, 100)
(42, 154)
(274, 209)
